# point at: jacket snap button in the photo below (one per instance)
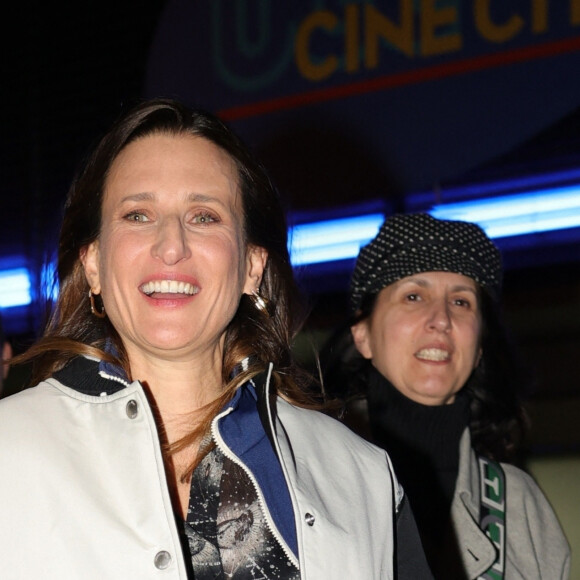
(309, 519)
(162, 560)
(132, 409)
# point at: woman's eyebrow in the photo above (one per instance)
(191, 197)
(417, 281)
(423, 283)
(143, 196)
(463, 288)
(204, 198)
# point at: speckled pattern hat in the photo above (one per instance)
(408, 244)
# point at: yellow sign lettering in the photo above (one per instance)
(351, 38)
(314, 71)
(539, 16)
(432, 19)
(491, 31)
(378, 26)
(575, 12)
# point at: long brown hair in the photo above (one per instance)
(251, 336)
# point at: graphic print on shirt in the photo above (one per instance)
(226, 529)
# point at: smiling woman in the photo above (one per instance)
(170, 430)
(435, 369)
(171, 251)
(428, 367)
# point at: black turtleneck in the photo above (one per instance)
(423, 443)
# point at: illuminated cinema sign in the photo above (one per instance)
(361, 38)
(432, 88)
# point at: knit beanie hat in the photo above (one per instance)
(408, 244)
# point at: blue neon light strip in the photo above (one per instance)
(14, 288)
(556, 208)
(331, 240)
(518, 214)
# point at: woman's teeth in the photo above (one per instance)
(434, 354)
(169, 287)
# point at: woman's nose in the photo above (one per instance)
(171, 244)
(439, 316)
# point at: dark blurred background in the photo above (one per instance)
(347, 103)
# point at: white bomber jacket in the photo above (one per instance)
(84, 495)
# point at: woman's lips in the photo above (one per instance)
(433, 354)
(171, 287)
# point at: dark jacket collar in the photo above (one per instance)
(92, 377)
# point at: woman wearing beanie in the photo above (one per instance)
(436, 369)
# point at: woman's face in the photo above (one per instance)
(171, 262)
(423, 335)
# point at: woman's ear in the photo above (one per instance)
(256, 264)
(89, 256)
(478, 358)
(6, 356)
(360, 335)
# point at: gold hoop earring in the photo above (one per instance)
(97, 313)
(260, 303)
